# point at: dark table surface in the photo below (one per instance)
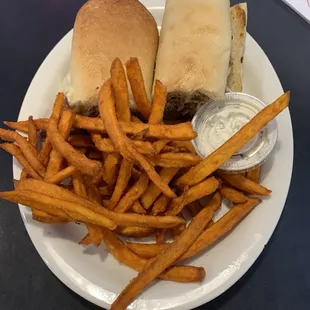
(280, 278)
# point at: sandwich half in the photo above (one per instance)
(194, 53)
(104, 30)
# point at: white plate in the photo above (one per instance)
(96, 275)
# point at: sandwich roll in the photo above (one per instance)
(104, 30)
(194, 52)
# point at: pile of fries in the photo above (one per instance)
(133, 176)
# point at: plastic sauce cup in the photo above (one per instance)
(218, 120)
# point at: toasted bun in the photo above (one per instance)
(238, 15)
(104, 30)
(194, 52)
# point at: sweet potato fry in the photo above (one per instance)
(120, 219)
(137, 208)
(159, 103)
(177, 160)
(164, 260)
(8, 135)
(235, 143)
(254, 174)
(86, 240)
(95, 234)
(170, 132)
(58, 107)
(133, 194)
(128, 220)
(80, 141)
(125, 256)
(78, 185)
(183, 131)
(61, 175)
(91, 124)
(160, 145)
(152, 192)
(120, 87)
(160, 205)
(121, 183)
(32, 138)
(232, 194)
(45, 152)
(105, 145)
(196, 192)
(110, 168)
(121, 142)
(245, 184)
(15, 151)
(79, 188)
(184, 144)
(45, 218)
(56, 159)
(32, 132)
(135, 78)
(135, 232)
(146, 250)
(171, 149)
(40, 123)
(29, 152)
(58, 207)
(74, 157)
(157, 111)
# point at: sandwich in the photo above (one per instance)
(200, 53)
(194, 54)
(103, 31)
